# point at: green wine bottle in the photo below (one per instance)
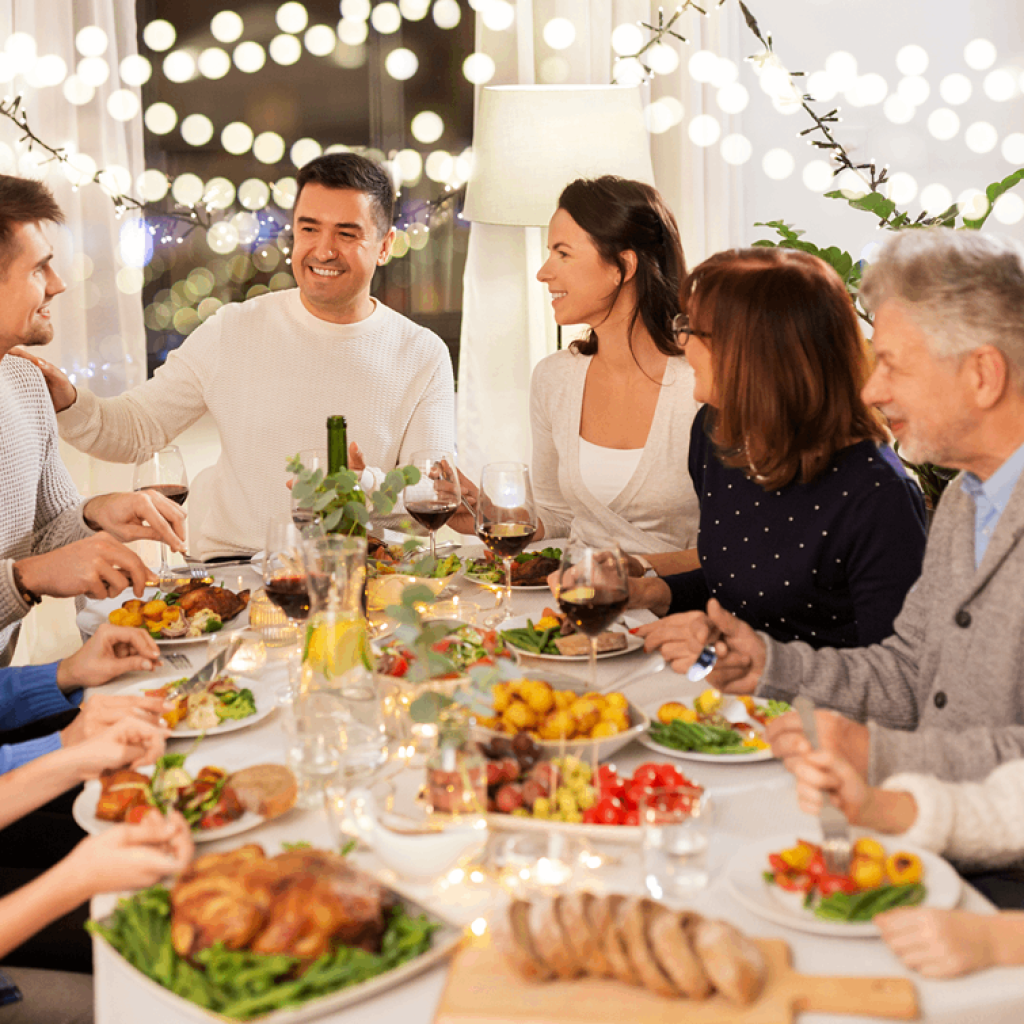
(337, 444)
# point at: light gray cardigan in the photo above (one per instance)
(944, 695)
(657, 510)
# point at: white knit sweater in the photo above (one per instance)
(978, 824)
(657, 510)
(271, 373)
(42, 509)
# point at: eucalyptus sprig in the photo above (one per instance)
(420, 636)
(343, 506)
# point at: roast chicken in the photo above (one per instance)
(225, 603)
(300, 903)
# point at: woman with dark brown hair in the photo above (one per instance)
(809, 527)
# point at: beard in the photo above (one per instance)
(38, 334)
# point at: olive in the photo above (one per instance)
(502, 746)
(524, 743)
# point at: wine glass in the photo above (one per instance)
(593, 590)
(284, 573)
(435, 499)
(506, 517)
(312, 459)
(164, 472)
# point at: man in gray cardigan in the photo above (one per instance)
(945, 693)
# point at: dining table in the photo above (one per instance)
(752, 800)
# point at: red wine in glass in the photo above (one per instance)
(431, 515)
(506, 540)
(176, 492)
(592, 610)
(290, 594)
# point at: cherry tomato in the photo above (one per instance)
(648, 775)
(631, 818)
(799, 881)
(828, 884)
(443, 644)
(607, 775)
(671, 776)
(816, 868)
(399, 665)
(590, 816)
(633, 795)
(607, 812)
(777, 864)
(489, 640)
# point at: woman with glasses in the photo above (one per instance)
(611, 414)
(809, 527)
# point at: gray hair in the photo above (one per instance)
(962, 288)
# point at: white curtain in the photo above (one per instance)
(506, 321)
(98, 329)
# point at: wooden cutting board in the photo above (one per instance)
(483, 988)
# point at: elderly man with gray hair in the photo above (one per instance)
(944, 694)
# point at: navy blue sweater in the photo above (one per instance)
(828, 562)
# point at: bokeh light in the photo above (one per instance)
(936, 199)
(93, 71)
(1001, 85)
(284, 190)
(386, 18)
(821, 87)
(218, 193)
(427, 127)
(559, 33)
(662, 59)
(439, 166)
(179, 66)
(222, 237)
(187, 189)
(214, 63)
(912, 60)
(356, 10)
(478, 68)
(981, 137)
(160, 118)
(498, 15)
(159, 35)
(955, 89)
(123, 105)
(48, 71)
(902, 188)
(817, 175)
(409, 164)
(658, 118)
(197, 129)
(352, 33)
(1008, 208)
(285, 50)
(254, 194)
(626, 39)
(292, 17)
(704, 130)
(943, 123)
(842, 69)
(778, 164)
(1013, 148)
(732, 98)
(868, 90)
(979, 54)
(268, 147)
(629, 71)
(249, 57)
(702, 65)
(736, 149)
(913, 90)
(320, 40)
(237, 137)
(897, 109)
(446, 13)
(91, 41)
(401, 64)
(135, 69)
(152, 185)
(305, 150)
(227, 26)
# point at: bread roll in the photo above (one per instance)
(266, 789)
(733, 962)
(606, 920)
(511, 934)
(633, 924)
(671, 946)
(572, 916)
(549, 939)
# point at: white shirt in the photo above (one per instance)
(606, 471)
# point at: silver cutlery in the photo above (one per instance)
(835, 830)
(212, 668)
(178, 661)
(705, 662)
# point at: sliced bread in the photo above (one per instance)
(673, 950)
(269, 790)
(734, 963)
(633, 919)
(510, 932)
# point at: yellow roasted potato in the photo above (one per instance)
(154, 609)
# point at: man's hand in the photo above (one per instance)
(139, 515)
(98, 567)
(940, 943)
(129, 856)
(463, 521)
(681, 637)
(129, 743)
(100, 711)
(109, 653)
(825, 775)
(835, 733)
(62, 391)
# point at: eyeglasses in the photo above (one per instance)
(681, 326)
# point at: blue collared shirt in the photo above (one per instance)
(990, 498)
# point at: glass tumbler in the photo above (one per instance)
(676, 831)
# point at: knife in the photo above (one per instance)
(835, 829)
(212, 668)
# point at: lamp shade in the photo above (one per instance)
(530, 141)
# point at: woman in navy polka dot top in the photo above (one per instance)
(809, 527)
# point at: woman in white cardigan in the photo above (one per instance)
(979, 825)
(611, 415)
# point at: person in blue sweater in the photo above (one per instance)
(809, 527)
(32, 693)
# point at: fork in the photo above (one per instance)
(835, 830)
(178, 661)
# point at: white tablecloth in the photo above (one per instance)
(753, 800)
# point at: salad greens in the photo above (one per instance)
(235, 703)
(426, 567)
(240, 984)
(485, 571)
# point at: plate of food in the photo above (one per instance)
(530, 570)
(188, 615)
(561, 717)
(552, 638)
(713, 727)
(528, 792)
(222, 705)
(465, 646)
(217, 803)
(783, 879)
(326, 936)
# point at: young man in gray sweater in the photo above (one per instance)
(943, 695)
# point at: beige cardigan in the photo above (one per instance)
(657, 510)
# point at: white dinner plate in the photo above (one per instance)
(745, 872)
(477, 554)
(95, 613)
(264, 707)
(633, 643)
(693, 755)
(84, 808)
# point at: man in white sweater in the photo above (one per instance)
(273, 368)
(51, 542)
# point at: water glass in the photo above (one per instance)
(314, 727)
(676, 831)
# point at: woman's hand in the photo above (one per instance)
(944, 943)
(129, 743)
(463, 521)
(130, 856)
(110, 652)
(102, 710)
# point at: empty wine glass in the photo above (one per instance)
(506, 517)
(164, 472)
(435, 498)
(593, 590)
(284, 573)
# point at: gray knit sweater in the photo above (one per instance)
(944, 695)
(42, 509)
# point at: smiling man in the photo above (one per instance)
(944, 694)
(51, 542)
(273, 368)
